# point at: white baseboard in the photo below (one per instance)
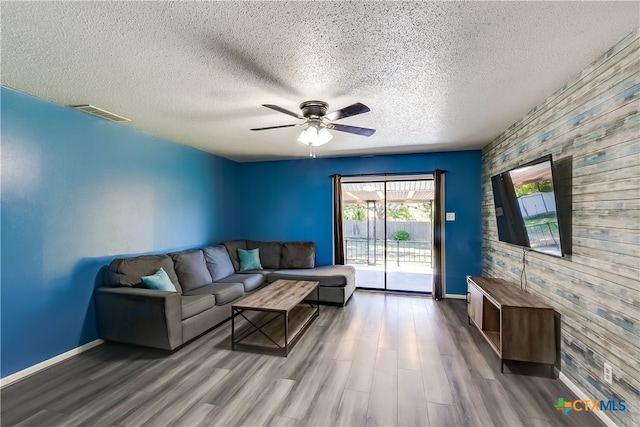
(10, 379)
(455, 296)
(582, 395)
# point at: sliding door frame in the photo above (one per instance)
(390, 178)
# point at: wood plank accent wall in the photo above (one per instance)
(591, 126)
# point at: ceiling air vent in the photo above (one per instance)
(95, 111)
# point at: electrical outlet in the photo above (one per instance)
(608, 373)
(450, 216)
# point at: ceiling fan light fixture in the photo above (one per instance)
(324, 136)
(304, 137)
(312, 136)
(312, 133)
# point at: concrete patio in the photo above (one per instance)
(406, 277)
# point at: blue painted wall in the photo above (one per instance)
(291, 200)
(76, 192)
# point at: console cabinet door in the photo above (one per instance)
(475, 304)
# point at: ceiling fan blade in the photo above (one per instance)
(349, 111)
(283, 110)
(275, 127)
(354, 129)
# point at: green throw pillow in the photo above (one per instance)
(249, 259)
(159, 281)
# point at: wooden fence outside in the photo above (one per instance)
(419, 231)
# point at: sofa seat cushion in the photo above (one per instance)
(196, 304)
(298, 255)
(218, 262)
(328, 275)
(191, 269)
(129, 271)
(249, 281)
(224, 292)
(263, 273)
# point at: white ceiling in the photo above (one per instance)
(436, 75)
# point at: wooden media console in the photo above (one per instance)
(517, 325)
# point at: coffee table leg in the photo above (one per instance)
(286, 333)
(233, 328)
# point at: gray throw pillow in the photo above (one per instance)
(191, 269)
(218, 262)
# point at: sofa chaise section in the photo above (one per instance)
(296, 261)
(337, 282)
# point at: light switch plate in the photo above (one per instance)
(451, 216)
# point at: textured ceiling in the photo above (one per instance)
(436, 75)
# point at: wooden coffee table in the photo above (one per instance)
(274, 317)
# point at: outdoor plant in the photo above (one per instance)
(401, 235)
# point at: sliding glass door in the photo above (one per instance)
(388, 233)
(363, 220)
(409, 230)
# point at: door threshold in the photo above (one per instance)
(395, 291)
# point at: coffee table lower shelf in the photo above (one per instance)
(274, 331)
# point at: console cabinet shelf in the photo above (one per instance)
(517, 325)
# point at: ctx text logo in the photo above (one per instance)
(589, 405)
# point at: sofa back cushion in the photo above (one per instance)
(270, 253)
(298, 255)
(129, 271)
(191, 269)
(218, 262)
(232, 248)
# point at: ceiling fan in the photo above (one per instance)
(314, 114)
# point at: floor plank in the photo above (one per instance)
(361, 373)
(263, 410)
(353, 409)
(198, 415)
(324, 409)
(42, 418)
(383, 399)
(307, 389)
(434, 378)
(468, 395)
(412, 403)
(443, 415)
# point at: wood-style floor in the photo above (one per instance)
(383, 360)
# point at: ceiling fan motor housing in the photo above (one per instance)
(314, 109)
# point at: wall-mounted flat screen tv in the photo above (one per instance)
(525, 203)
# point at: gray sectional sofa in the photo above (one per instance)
(207, 282)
